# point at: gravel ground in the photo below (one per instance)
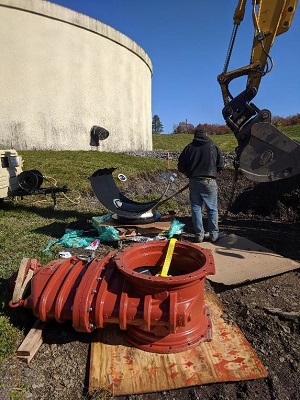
(267, 310)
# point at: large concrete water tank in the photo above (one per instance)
(61, 73)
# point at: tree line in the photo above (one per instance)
(187, 128)
(288, 121)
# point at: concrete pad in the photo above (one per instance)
(239, 260)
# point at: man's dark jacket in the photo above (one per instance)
(201, 158)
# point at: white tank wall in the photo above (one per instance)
(62, 72)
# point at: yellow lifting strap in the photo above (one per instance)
(168, 259)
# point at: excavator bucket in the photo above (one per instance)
(270, 155)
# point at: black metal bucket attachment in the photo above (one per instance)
(270, 155)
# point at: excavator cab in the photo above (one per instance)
(264, 153)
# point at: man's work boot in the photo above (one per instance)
(220, 235)
(199, 238)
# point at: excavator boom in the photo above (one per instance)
(264, 153)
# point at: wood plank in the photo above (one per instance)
(32, 342)
(123, 370)
(19, 281)
(152, 228)
(34, 349)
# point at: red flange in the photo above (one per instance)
(175, 317)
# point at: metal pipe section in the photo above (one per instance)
(158, 314)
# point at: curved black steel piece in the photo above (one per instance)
(108, 194)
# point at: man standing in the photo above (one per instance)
(200, 161)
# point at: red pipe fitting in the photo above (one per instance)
(158, 314)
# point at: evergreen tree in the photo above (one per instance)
(157, 126)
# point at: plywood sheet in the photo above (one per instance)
(239, 260)
(121, 369)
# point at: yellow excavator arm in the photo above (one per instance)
(263, 153)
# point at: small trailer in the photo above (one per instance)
(16, 182)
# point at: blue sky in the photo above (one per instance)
(187, 42)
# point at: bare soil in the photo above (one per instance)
(267, 311)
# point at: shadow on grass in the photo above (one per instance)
(23, 319)
(47, 212)
(19, 317)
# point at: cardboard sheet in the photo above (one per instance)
(239, 260)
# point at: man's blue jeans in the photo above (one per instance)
(204, 191)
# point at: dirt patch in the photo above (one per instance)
(267, 311)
